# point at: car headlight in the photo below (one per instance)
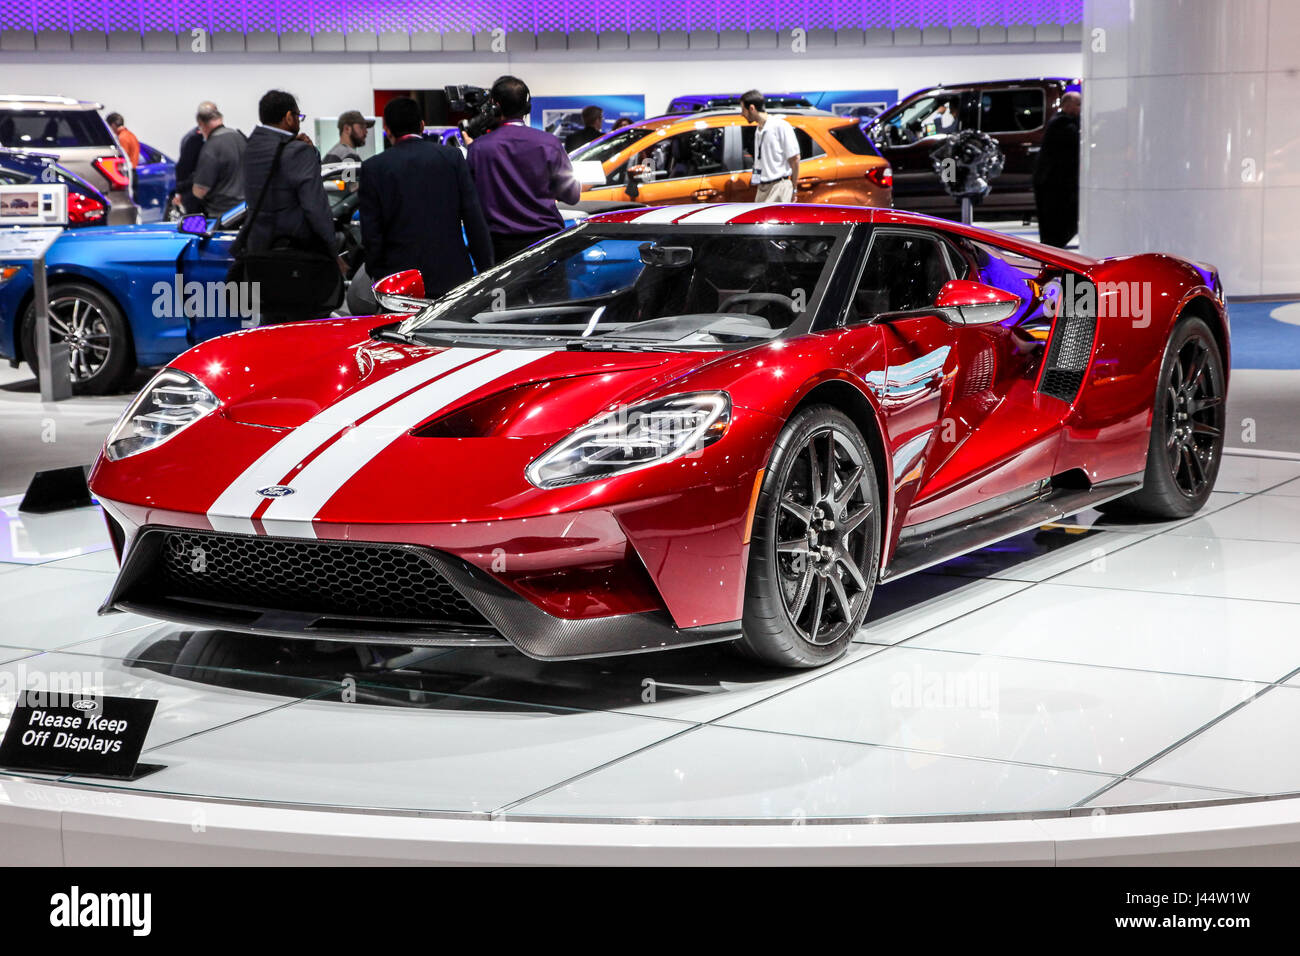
(635, 437)
(167, 406)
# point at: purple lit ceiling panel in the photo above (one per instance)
(261, 16)
(86, 11)
(324, 16)
(528, 16)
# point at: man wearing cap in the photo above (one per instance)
(352, 136)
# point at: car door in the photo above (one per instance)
(683, 168)
(968, 430)
(219, 306)
(153, 182)
(901, 274)
(817, 171)
(906, 136)
(998, 435)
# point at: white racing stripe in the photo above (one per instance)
(666, 214)
(233, 510)
(719, 212)
(329, 471)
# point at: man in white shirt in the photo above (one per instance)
(776, 151)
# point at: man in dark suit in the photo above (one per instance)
(593, 127)
(295, 210)
(1056, 176)
(415, 198)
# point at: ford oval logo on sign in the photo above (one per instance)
(275, 491)
(86, 704)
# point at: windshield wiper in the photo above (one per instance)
(389, 333)
(588, 345)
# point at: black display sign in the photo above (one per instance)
(74, 733)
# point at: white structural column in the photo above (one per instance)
(1191, 135)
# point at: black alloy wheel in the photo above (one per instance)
(816, 543)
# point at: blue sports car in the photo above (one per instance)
(124, 297)
(129, 296)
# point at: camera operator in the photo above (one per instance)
(520, 172)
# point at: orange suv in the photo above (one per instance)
(707, 157)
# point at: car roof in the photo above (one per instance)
(987, 84)
(38, 102)
(729, 116)
(796, 214)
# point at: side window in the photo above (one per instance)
(808, 147)
(939, 114)
(697, 153)
(904, 271)
(1011, 111)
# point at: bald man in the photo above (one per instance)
(1056, 177)
(187, 160)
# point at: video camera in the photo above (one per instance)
(485, 115)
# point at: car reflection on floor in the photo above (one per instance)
(501, 679)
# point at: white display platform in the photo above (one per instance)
(1087, 693)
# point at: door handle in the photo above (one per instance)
(808, 182)
(706, 195)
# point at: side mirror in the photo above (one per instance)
(401, 291)
(195, 225)
(973, 303)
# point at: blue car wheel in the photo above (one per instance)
(99, 341)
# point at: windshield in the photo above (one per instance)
(628, 287)
(914, 121)
(610, 145)
(53, 128)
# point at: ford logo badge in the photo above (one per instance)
(275, 491)
(86, 704)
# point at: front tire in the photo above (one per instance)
(815, 546)
(99, 339)
(1187, 429)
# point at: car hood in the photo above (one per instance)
(162, 239)
(148, 229)
(333, 374)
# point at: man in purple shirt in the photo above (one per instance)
(519, 173)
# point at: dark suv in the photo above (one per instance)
(1014, 112)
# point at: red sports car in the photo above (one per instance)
(664, 427)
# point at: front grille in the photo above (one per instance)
(328, 578)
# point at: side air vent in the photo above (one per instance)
(1068, 352)
(979, 373)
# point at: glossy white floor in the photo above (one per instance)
(1070, 673)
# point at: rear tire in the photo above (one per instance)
(99, 339)
(815, 546)
(1187, 429)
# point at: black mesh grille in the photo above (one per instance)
(1067, 356)
(321, 577)
(979, 373)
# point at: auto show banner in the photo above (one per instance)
(562, 115)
